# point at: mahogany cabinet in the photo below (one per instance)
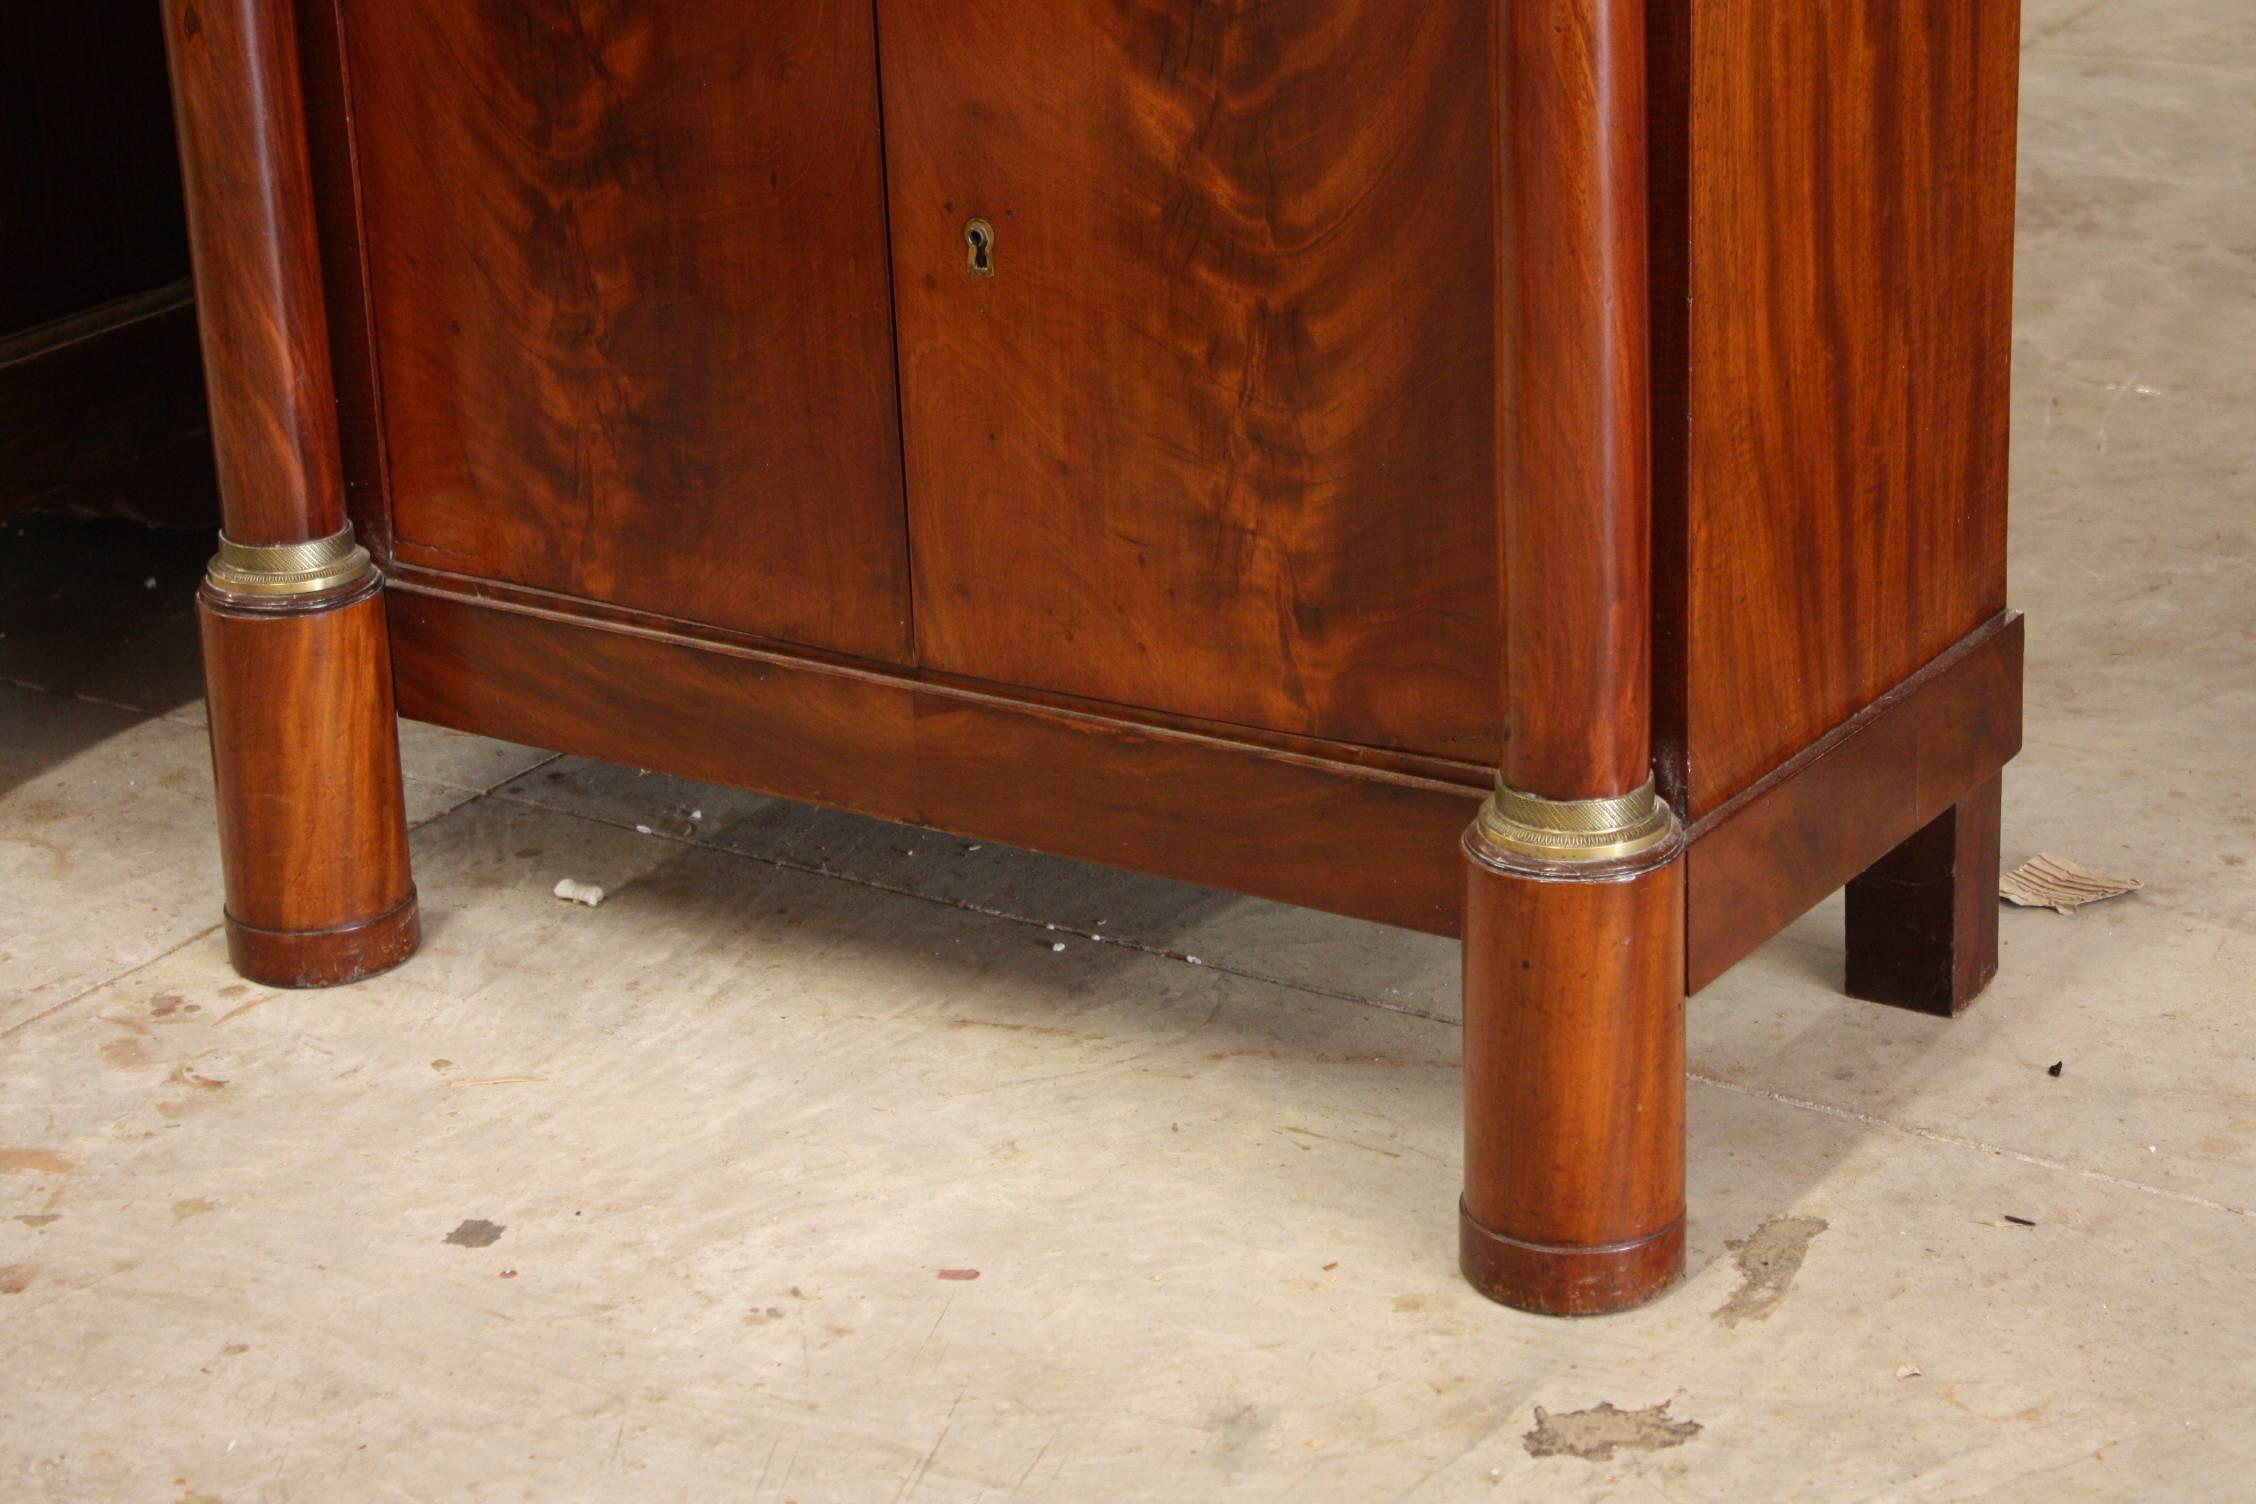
(1531, 470)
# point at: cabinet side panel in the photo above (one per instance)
(1851, 238)
(1215, 437)
(627, 265)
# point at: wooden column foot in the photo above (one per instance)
(1568, 1281)
(1923, 920)
(1574, 1084)
(305, 760)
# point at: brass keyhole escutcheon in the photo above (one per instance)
(980, 237)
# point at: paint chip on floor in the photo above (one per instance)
(1596, 1434)
(1768, 1259)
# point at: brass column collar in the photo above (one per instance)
(1576, 830)
(288, 568)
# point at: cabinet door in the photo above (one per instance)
(1216, 434)
(632, 325)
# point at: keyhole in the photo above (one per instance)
(980, 236)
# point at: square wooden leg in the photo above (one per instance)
(1923, 920)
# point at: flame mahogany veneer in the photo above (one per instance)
(1222, 443)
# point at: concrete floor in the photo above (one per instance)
(675, 1198)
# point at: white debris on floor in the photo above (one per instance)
(590, 894)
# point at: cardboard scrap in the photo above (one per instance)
(2056, 883)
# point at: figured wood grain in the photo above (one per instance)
(1573, 395)
(1224, 514)
(1851, 252)
(1762, 861)
(631, 306)
(1215, 437)
(257, 267)
(1334, 835)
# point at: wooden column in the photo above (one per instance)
(1574, 940)
(305, 749)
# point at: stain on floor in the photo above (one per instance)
(1768, 1260)
(1240, 1430)
(476, 1232)
(1596, 1434)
